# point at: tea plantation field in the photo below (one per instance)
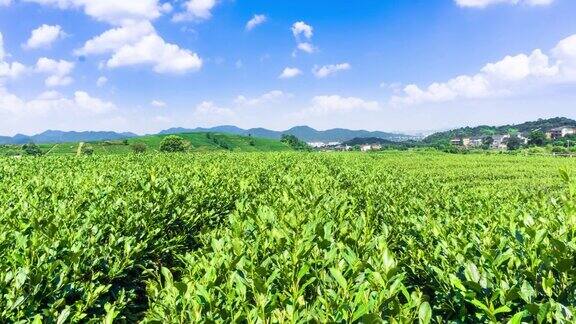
(287, 238)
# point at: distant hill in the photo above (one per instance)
(200, 142)
(304, 133)
(52, 136)
(524, 128)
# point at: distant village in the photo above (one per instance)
(501, 142)
(486, 142)
(338, 146)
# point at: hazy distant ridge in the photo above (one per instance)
(304, 133)
(52, 136)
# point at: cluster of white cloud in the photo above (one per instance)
(325, 105)
(209, 108)
(256, 21)
(273, 96)
(158, 103)
(44, 36)
(486, 3)
(58, 71)
(52, 102)
(49, 109)
(290, 73)
(138, 43)
(111, 11)
(153, 50)
(196, 10)
(101, 81)
(303, 34)
(500, 78)
(328, 70)
(8, 70)
(134, 40)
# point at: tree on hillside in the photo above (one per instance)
(139, 148)
(295, 143)
(173, 143)
(537, 138)
(514, 143)
(487, 142)
(87, 150)
(31, 149)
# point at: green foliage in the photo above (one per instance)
(87, 149)
(173, 143)
(559, 150)
(514, 143)
(288, 237)
(295, 143)
(524, 128)
(31, 149)
(139, 148)
(537, 138)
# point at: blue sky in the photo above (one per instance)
(146, 65)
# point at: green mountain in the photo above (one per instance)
(479, 131)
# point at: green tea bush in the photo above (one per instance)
(288, 237)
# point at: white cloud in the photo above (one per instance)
(116, 12)
(303, 34)
(158, 103)
(504, 77)
(325, 105)
(300, 28)
(290, 73)
(514, 68)
(5, 2)
(565, 53)
(135, 40)
(306, 47)
(113, 39)
(82, 100)
(196, 10)
(9, 70)
(44, 36)
(52, 102)
(166, 7)
(256, 21)
(208, 108)
(328, 70)
(50, 95)
(139, 44)
(58, 70)
(486, 3)
(153, 50)
(274, 96)
(2, 53)
(101, 81)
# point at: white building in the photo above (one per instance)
(500, 142)
(560, 132)
(317, 144)
(371, 147)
